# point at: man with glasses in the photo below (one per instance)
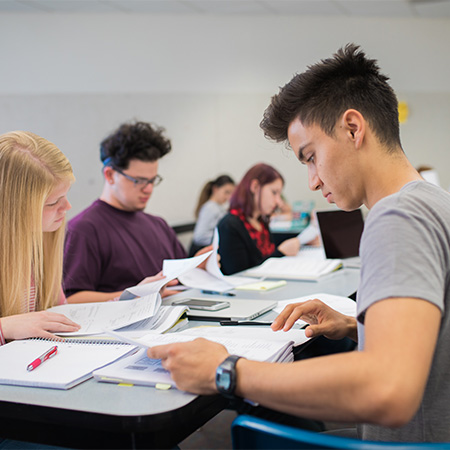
(114, 244)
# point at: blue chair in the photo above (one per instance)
(249, 432)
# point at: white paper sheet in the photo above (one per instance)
(164, 320)
(172, 268)
(308, 234)
(295, 268)
(311, 253)
(246, 346)
(344, 305)
(213, 279)
(264, 333)
(200, 279)
(95, 318)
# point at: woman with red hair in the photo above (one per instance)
(245, 239)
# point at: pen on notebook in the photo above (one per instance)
(44, 357)
(243, 322)
(227, 294)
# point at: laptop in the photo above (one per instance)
(341, 232)
(238, 310)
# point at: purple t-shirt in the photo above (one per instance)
(108, 250)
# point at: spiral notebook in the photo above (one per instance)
(74, 362)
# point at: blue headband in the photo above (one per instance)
(107, 161)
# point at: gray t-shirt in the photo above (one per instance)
(405, 252)
(208, 218)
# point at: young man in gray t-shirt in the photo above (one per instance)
(405, 253)
(341, 120)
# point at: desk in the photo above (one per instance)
(342, 282)
(103, 415)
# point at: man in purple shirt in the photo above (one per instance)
(114, 244)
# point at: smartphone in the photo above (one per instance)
(203, 304)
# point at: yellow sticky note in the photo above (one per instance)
(262, 285)
(162, 386)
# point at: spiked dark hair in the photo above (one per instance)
(321, 94)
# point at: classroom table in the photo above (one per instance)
(342, 282)
(103, 415)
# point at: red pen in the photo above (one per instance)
(47, 355)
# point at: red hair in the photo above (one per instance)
(243, 198)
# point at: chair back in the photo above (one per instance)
(249, 432)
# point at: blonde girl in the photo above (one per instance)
(35, 178)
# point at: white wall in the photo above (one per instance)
(207, 80)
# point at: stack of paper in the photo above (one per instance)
(294, 268)
(143, 313)
(261, 344)
(142, 308)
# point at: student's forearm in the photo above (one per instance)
(346, 387)
(383, 384)
(93, 296)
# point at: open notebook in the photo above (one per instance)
(74, 362)
(294, 268)
(260, 344)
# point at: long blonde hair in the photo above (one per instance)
(30, 168)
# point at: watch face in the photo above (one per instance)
(225, 380)
(226, 376)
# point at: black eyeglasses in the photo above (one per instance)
(141, 182)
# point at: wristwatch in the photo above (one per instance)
(226, 376)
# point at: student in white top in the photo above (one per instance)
(35, 178)
(212, 206)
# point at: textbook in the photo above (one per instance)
(294, 268)
(260, 344)
(73, 363)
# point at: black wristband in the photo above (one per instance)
(226, 376)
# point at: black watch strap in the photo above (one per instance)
(226, 376)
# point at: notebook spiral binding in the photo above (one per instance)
(82, 341)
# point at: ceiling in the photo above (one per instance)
(336, 8)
